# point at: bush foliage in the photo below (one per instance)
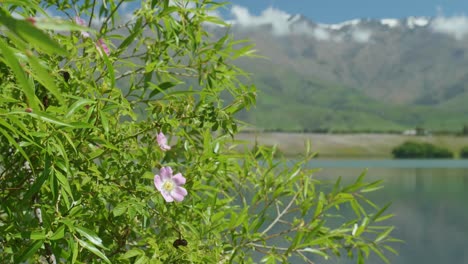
(95, 101)
(412, 149)
(464, 152)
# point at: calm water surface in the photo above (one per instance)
(429, 199)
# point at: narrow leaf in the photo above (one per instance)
(94, 250)
(11, 61)
(90, 235)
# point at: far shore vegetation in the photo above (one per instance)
(356, 145)
(414, 149)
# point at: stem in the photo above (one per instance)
(104, 24)
(92, 13)
(278, 217)
(51, 259)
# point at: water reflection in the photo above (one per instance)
(430, 207)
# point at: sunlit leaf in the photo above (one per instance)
(94, 250)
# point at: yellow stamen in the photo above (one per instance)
(168, 186)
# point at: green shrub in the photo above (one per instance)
(411, 149)
(464, 152)
(89, 176)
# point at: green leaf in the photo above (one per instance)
(76, 105)
(93, 249)
(120, 209)
(161, 87)
(13, 142)
(384, 234)
(104, 122)
(31, 34)
(61, 25)
(383, 218)
(11, 61)
(142, 260)
(244, 51)
(315, 251)
(43, 76)
(110, 69)
(320, 205)
(63, 182)
(39, 180)
(132, 253)
(45, 117)
(59, 233)
(128, 40)
(379, 253)
(38, 235)
(380, 212)
(90, 235)
(29, 252)
(75, 250)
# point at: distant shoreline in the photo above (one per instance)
(359, 145)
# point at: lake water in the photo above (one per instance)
(429, 199)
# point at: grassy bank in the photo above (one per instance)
(348, 145)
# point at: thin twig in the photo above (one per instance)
(109, 16)
(305, 257)
(278, 217)
(51, 259)
(92, 14)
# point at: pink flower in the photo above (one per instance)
(170, 186)
(81, 22)
(102, 46)
(162, 142)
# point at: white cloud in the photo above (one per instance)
(276, 18)
(456, 26)
(283, 23)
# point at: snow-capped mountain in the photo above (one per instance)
(280, 23)
(410, 62)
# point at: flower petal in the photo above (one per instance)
(158, 182)
(165, 147)
(102, 46)
(179, 179)
(166, 173)
(161, 138)
(80, 21)
(179, 193)
(162, 142)
(167, 196)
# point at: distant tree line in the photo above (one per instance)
(419, 131)
(464, 152)
(412, 149)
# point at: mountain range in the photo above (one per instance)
(359, 75)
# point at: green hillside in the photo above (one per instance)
(290, 101)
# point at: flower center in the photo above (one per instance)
(168, 186)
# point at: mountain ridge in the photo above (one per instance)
(412, 68)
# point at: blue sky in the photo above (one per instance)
(333, 11)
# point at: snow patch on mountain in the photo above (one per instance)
(390, 22)
(413, 22)
(358, 30)
(341, 25)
